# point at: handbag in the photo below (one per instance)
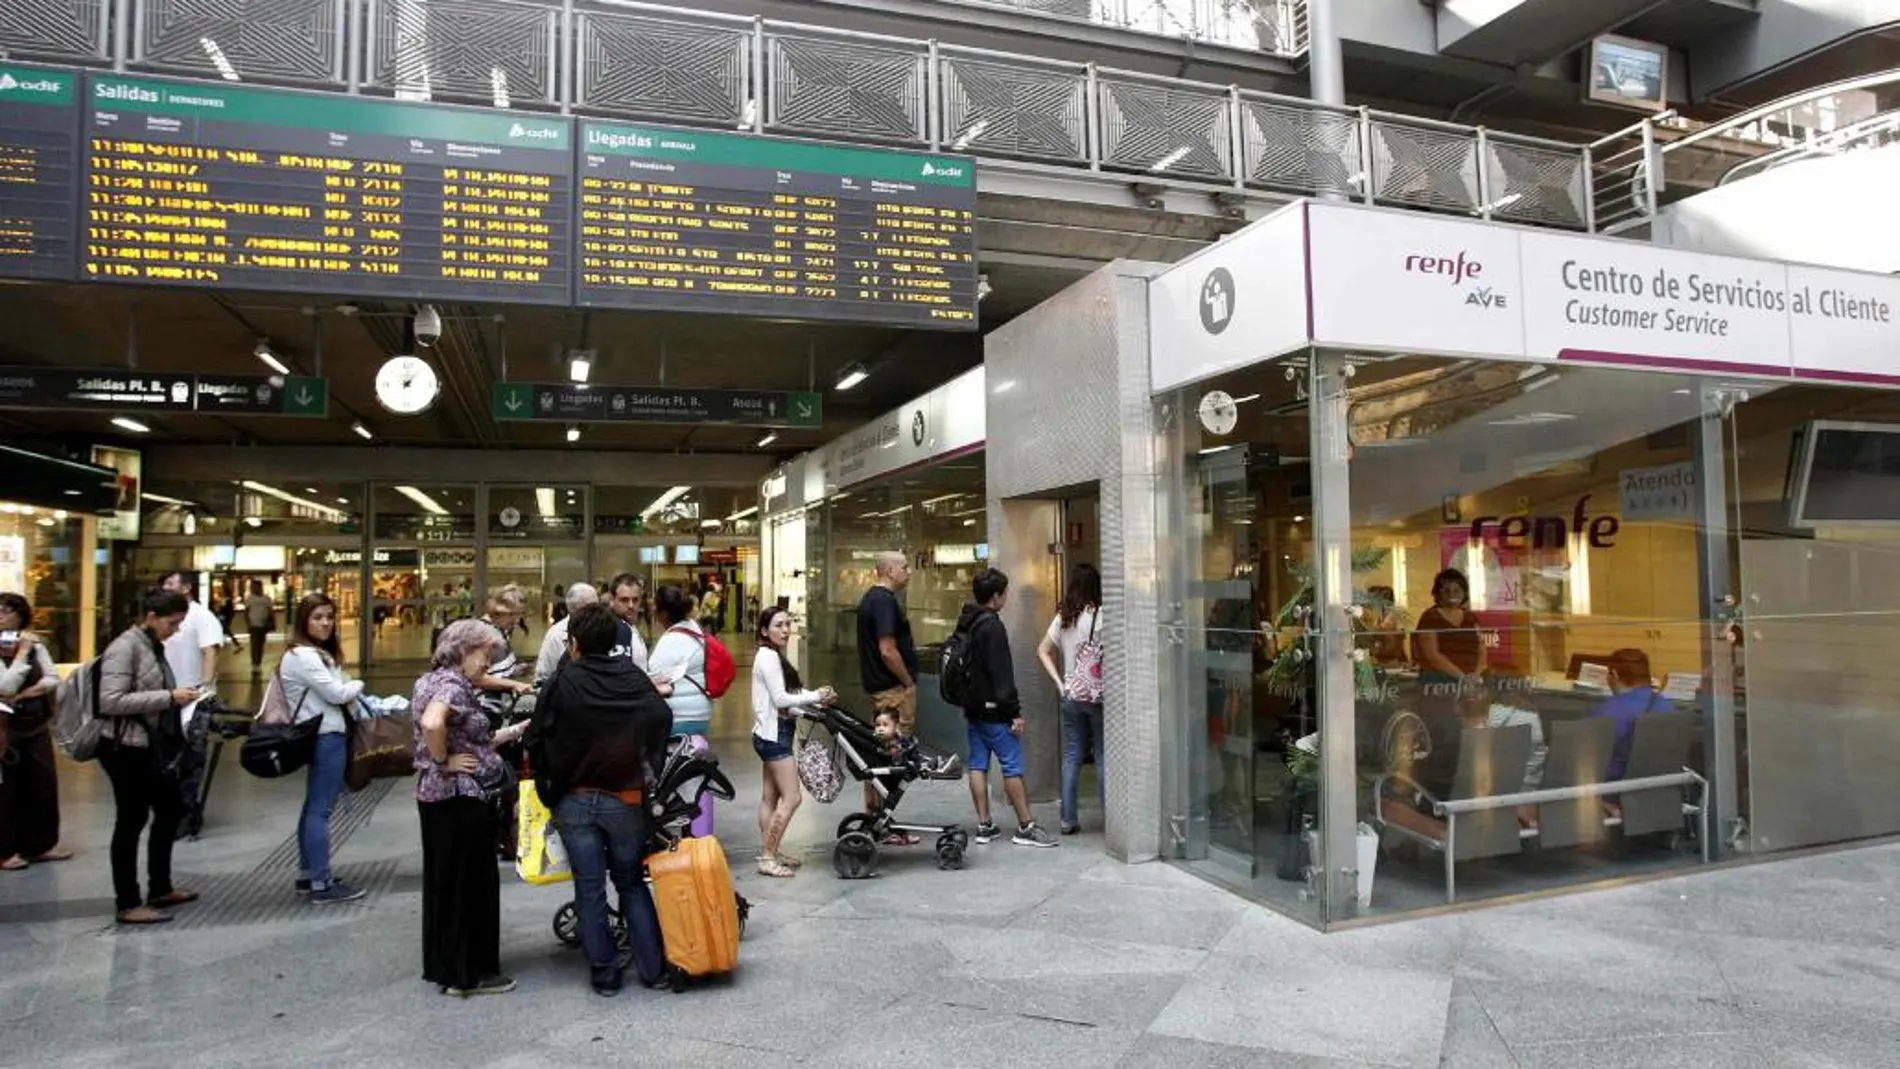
(818, 768)
(1085, 675)
(277, 744)
(381, 747)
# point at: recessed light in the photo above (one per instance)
(132, 425)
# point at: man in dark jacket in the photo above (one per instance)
(597, 730)
(994, 711)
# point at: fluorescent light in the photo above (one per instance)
(1212, 449)
(163, 500)
(132, 425)
(766, 439)
(322, 510)
(852, 375)
(544, 502)
(362, 431)
(742, 514)
(311, 490)
(270, 358)
(574, 432)
(1249, 397)
(253, 521)
(941, 500)
(1170, 159)
(428, 503)
(579, 367)
(340, 500)
(661, 502)
(969, 523)
(712, 523)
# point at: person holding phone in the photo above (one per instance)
(29, 793)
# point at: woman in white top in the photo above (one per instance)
(1074, 633)
(776, 692)
(315, 685)
(679, 658)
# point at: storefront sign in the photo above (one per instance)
(132, 390)
(1391, 281)
(381, 558)
(123, 524)
(946, 421)
(1660, 493)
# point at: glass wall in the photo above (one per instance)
(43, 557)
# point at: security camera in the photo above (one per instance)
(428, 325)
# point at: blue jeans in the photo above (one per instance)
(604, 835)
(1081, 727)
(325, 782)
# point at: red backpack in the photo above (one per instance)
(720, 669)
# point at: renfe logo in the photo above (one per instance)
(1550, 532)
(1458, 271)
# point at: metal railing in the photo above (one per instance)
(1273, 27)
(1636, 170)
(636, 60)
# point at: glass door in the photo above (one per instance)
(423, 571)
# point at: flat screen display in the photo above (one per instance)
(1849, 474)
(1627, 73)
(696, 221)
(39, 171)
(685, 554)
(652, 554)
(237, 187)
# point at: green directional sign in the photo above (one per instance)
(134, 390)
(558, 402)
(306, 397)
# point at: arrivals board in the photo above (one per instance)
(210, 185)
(39, 170)
(695, 221)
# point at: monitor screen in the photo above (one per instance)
(1627, 73)
(652, 554)
(1849, 474)
(982, 551)
(685, 554)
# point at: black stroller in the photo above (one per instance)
(670, 811)
(857, 747)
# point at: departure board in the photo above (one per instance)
(201, 184)
(39, 167)
(687, 220)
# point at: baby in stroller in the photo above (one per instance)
(883, 756)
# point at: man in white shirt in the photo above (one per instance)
(193, 651)
(554, 646)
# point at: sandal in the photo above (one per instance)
(55, 854)
(788, 860)
(143, 915)
(14, 864)
(772, 866)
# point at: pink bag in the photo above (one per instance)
(1085, 675)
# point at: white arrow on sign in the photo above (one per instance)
(514, 401)
(804, 409)
(303, 397)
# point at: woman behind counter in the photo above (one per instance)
(461, 776)
(1446, 642)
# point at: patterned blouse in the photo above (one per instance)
(469, 733)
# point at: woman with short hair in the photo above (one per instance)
(29, 791)
(316, 687)
(679, 658)
(460, 778)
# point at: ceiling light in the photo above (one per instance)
(270, 358)
(579, 366)
(160, 498)
(852, 375)
(59, 514)
(1249, 397)
(132, 425)
(661, 502)
(1212, 449)
(941, 500)
(253, 521)
(766, 439)
(362, 431)
(321, 510)
(544, 502)
(573, 434)
(428, 503)
(742, 514)
(311, 490)
(712, 523)
(340, 500)
(969, 523)
(47, 521)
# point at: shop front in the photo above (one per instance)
(1492, 561)
(51, 512)
(911, 481)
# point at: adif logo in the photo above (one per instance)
(10, 84)
(1457, 271)
(535, 133)
(1217, 300)
(941, 170)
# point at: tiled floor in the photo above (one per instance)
(1026, 958)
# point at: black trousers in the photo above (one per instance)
(461, 893)
(258, 635)
(141, 791)
(29, 791)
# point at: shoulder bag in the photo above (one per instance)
(277, 744)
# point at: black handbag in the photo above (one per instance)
(278, 745)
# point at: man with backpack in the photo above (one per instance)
(980, 675)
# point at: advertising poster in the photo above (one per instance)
(123, 524)
(1510, 581)
(12, 562)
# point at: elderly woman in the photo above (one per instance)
(461, 776)
(29, 793)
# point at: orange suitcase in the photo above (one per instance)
(699, 915)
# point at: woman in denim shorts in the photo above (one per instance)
(776, 693)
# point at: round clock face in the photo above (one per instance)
(1218, 412)
(406, 385)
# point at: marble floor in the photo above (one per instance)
(1058, 957)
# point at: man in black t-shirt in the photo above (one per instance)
(887, 656)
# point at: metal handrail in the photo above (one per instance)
(1886, 123)
(1756, 115)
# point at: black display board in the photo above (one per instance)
(697, 221)
(218, 186)
(39, 171)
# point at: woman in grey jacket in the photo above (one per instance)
(140, 755)
(315, 686)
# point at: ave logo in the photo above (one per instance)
(1486, 297)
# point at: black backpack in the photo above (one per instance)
(954, 664)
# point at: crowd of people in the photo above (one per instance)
(608, 708)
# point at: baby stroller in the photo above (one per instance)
(855, 855)
(670, 812)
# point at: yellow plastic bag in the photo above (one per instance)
(540, 857)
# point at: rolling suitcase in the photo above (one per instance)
(699, 915)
